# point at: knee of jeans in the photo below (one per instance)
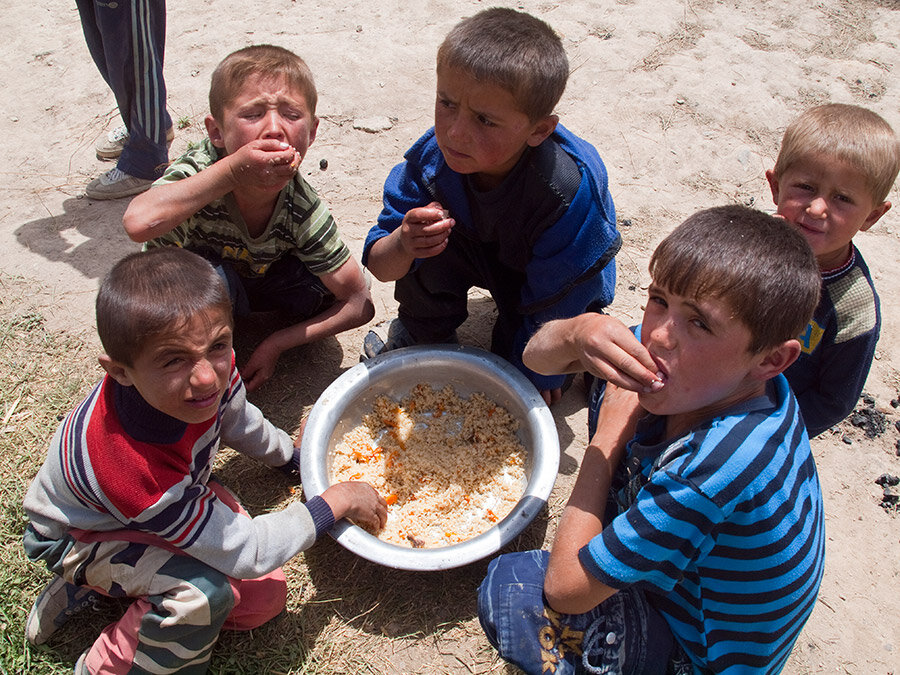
(487, 602)
(523, 567)
(598, 389)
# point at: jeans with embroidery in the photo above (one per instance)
(624, 634)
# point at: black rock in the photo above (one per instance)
(323, 164)
(870, 420)
(887, 479)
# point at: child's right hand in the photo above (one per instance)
(425, 230)
(609, 350)
(264, 163)
(359, 502)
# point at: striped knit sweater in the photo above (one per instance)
(116, 463)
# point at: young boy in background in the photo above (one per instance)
(125, 504)
(835, 168)
(496, 195)
(238, 200)
(694, 537)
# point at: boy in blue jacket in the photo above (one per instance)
(497, 195)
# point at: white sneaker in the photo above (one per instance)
(115, 184)
(55, 605)
(111, 145)
(80, 668)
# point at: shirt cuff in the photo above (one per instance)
(322, 515)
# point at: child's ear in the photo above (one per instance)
(313, 128)
(776, 360)
(542, 129)
(214, 131)
(773, 185)
(875, 215)
(116, 370)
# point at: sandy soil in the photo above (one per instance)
(686, 102)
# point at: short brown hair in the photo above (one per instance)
(146, 295)
(514, 50)
(268, 61)
(759, 265)
(850, 133)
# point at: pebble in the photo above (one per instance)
(373, 125)
(887, 479)
(323, 164)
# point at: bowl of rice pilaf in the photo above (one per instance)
(458, 442)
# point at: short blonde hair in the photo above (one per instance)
(513, 50)
(268, 61)
(850, 133)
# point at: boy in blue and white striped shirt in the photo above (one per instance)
(693, 540)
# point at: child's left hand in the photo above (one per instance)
(260, 367)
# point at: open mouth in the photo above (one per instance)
(204, 401)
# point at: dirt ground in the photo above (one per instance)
(686, 102)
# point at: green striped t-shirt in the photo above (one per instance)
(300, 225)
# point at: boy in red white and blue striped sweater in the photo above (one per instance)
(125, 503)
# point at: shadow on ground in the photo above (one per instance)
(88, 236)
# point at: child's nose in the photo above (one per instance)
(272, 127)
(456, 129)
(818, 206)
(662, 334)
(203, 374)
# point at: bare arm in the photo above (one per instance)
(352, 307)
(260, 165)
(422, 234)
(596, 343)
(568, 586)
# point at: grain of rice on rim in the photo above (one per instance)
(449, 467)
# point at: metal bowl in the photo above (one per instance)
(342, 405)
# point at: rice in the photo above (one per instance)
(449, 467)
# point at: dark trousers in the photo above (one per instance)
(287, 286)
(434, 296)
(126, 40)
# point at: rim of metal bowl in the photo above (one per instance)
(470, 367)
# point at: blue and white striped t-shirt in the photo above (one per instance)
(724, 528)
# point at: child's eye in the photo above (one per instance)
(656, 300)
(173, 362)
(484, 121)
(292, 115)
(701, 325)
(445, 103)
(844, 198)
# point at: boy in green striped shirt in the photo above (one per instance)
(237, 199)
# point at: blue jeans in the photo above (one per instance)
(624, 634)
